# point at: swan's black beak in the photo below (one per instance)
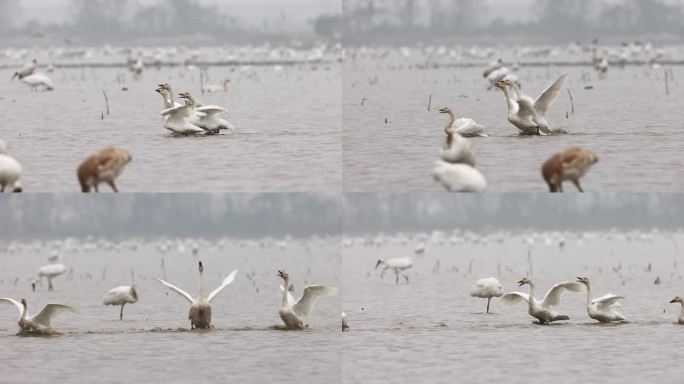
(378, 264)
(521, 283)
(673, 301)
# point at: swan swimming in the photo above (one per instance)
(206, 116)
(486, 289)
(464, 127)
(679, 300)
(10, 171)
(121, 296)
(26, 70)
(295, 314)
(399, 265)
(571, 165)
(104, 166)
(542, 311)
(38, 80)
(39, 323)
(200, 308)
(459, 177)
(603, 308)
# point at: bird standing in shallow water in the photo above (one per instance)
(571, 165)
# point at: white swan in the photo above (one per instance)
(200, 310)
(486, 289)
(38, 80)
(464, 127)
(211, 88)
(26, 70)
(121, 296)
(542, 311)
(502, 74)
(50, 271)
(177, 120)
(167, 94)
(459, 177)
(603, 308)
(571, 165)
(398, 265)
(295, 314)
(679, 300)
(206, 116)
(40, 322)
(10, 171)
(105, 166)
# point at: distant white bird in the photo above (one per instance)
(345, 322)
(10, 171)
(200, 310)
(602, 309)
(459, 177)
(493, 66)
(398, 265)
(502, 74)
(486, 289)
(211, 88)
(295, 314)
(121, 296)
(206, 116)
(464, 127)
(26, 70)
(51, 271)
(679, 300)
(543, 310)
(39, 80)
(40, 322)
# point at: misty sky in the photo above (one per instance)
(251, 11)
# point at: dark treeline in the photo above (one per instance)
(418, 212)
(126, 20)
(153, 215)
(409, 21)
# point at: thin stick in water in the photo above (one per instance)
(572, 101)
(106, 101)
(429, 103)
(667, 84)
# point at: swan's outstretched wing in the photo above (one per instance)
(605, 303)
(526, 110)
(515, 298)
(17, 304)
(50, 311)
(290, 299)
(183, 110)
(209, 110)
(226, 282)
(178, 290)
(547, 97)
(553, 296)
(306, 303)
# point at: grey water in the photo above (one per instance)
(431, 330)
(287, 136)
(626, 118)
(154, 343)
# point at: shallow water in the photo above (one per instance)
(153, 343)
(626, 119)
(431, 330)
(282, 114)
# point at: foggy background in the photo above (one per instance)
(151, 215)
(497, 21)
(83, 21)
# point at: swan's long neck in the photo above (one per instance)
(509, 102)
(517, 91)
(452, 119)
(193, 102)
(530, 302)
(588, 294)
(201, 284)
(286, 285)
(24, 313)
(168, 103)
(681, 314)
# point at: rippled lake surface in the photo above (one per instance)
(287, 137)
(153, 342)
(392, 140)
(431, 330)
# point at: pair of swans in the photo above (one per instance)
(190, 118)
(28, 75)
(10, 171)
(40, 322)
(569, 165)
(295, 313)
(529, 115)
(200, 307)
(456, 170)
(601, 309)
(104, 166)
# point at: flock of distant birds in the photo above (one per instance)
(295, 314)
(603, 309)
(104, 166)
(456, 170)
